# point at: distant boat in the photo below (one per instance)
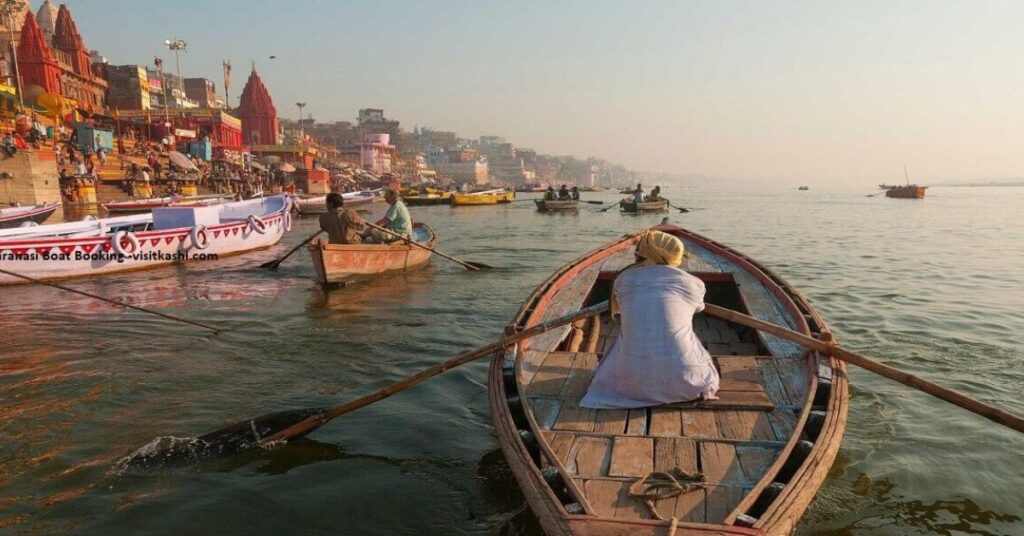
(910, 191)
(804, 188)
(593, 189)
(26, 216)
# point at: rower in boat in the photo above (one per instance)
(656, 358)
(342, 225)
(563, 193)
(550, 194)
(396, 219)
(638, 194)
(655, 194)
(574, 194)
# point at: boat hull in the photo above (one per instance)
(15, 217)
(347, 263)
(318, 205)
(546, 439)
(906, 192)
(647, 206)
(553, 206)
(64, 257)
(485, 199)
(427, 200)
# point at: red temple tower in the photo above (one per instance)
(67, 39)
(36, 64)
(257, 112)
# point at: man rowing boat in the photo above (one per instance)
(396, 219)
(656, 358)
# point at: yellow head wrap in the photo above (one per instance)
(660, 248)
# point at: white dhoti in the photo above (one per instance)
(656, 358)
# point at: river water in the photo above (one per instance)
(932, 286)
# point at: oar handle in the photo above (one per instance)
(305, 426)
(108, 300)
(424, 246)
(991, 413)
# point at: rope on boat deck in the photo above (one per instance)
(658, 485)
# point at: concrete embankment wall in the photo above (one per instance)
(29, 177)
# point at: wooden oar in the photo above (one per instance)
(876, 193)
(680, 209)
(466, 264)
(293, 424)
(108, 300)
(991, 413)
(606, 209)
(275, 263)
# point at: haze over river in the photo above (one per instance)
(932, 286)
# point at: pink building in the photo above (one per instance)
(376, 154)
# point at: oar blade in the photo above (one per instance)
(226, 441)
(479, 265)
(271, 264)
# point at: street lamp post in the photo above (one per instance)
(9, 7)
(176, 45)
(160, 72)
(302, 130)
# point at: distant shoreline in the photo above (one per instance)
(975, 184)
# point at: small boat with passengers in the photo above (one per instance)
(317, 204)
(762, 449)
(556, 205)
(167, 235)
(28, 215)
(489, 197)
(908, 191)
(631, 206)
(347, 263)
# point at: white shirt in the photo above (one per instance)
(657, 358)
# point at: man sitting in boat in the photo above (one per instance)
(563, 193)
(574, 194)
(655, 194)
(550, 194)
(638, 194)
(396, 219)
(341, 224)
(656, 358)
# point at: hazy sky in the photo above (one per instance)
(808, 91)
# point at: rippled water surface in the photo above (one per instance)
(933, 286)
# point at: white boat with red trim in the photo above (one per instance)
(168, 235)
(18, 216)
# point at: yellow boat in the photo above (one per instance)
(490, 197)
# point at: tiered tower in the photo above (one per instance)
(257, 112)
(35, 62)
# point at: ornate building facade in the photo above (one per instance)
(256, 110)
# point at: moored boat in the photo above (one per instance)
(145, 205)
(908, 191)
(765, 446)
(318, 204)
(29, 215)
(490, 197)
(168, 235)
(431, 197)
(658, 205)
(346, 263)
(593, 189)
(804, 188)
(545, 205)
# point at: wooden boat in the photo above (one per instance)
(909, 191)
(490, 197)
(145, 205)
(765, 446)
(593, 189)
(168, 235)
(345, 263)
(804, 188)
(318, 204)
(432, 197)
(558, 205)
(29, 215)
(628, 205)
